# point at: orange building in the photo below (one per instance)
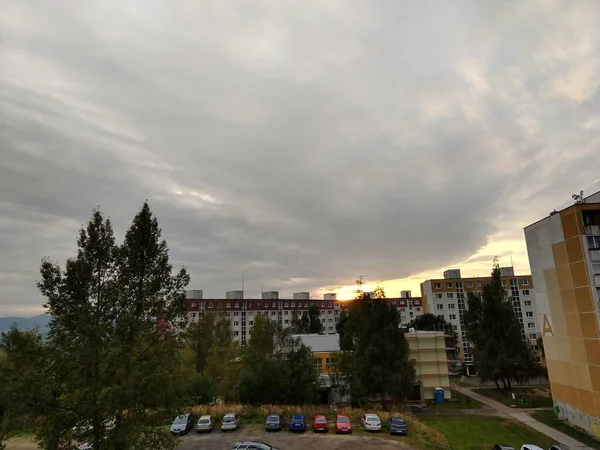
(564, 255)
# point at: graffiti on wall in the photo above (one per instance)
(575, 416)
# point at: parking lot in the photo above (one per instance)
(284, 440)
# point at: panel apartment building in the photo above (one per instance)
(564, 255)
(447, 298)
(243, 310)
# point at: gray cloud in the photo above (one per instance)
(299, 144)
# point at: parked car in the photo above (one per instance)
(398, 426)
(252, 445)
(531, 447)
(274, 422)
(297, 423)
(230, 422)
(502, 447)
(205, 423)
(343, 424)
(183, 423)
(370, 422)
(320, 423)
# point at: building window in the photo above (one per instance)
(193, 314)
(459, 285)
(455, 327)
(285, 313)
(251, 314)
(236, 333)
(480, 284)
(450, 305)
(251, 323)
(448, 285)
(237, 305)
(525, 291)
(503, 282)
(452, 316)
(440, 307)
(524, 282)
(438, 285)
(306, 304)
(210, 304)
(286, 321)
(418, 309)
(450, 295)
(228, 314)
(529, 314)
(286, 305)
(469, 284)
(236, 314)
(438, 296)
(533, 336)
(293, 304)
(273, 313)
(530, 325)
(411, 314)
(441, 316)
(227, 305)
(236, 324)
(527, 302)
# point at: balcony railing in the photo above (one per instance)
(592, 229)
(595, 255)
(597, 280)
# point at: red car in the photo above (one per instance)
(343, 424)
(320, 423)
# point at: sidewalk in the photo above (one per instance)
(526, 419)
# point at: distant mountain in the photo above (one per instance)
(26, 323)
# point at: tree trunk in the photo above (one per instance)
(497, 385)
(508, 380)
(504, 383)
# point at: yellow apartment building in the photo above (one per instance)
(564, 255)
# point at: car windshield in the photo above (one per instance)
(297, 418)
(180, 420)
(204, 421)
(320, 419)
(397, 420)
(343, 420)
(372, 418)
(272, 419)
(227, 419)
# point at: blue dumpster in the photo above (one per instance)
(438, 394)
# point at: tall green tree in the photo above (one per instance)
(375, 352)
(308, 322)
(114, 351)
(501, 354)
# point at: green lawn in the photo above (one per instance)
(482, 432)
(504, 397)
(548, 418)
(458, 401)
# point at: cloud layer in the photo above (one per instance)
(299, 144)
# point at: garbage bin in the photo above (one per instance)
(438, 394)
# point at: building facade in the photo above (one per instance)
(242, 311)
(564, 255)
(447, 297)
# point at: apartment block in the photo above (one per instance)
(447, 297)
(564, 255)
(243, 311)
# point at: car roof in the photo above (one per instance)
(229, 414)
(319, 415)
(371, 415)
(343, 415)
(297, 416)
(205, 416)
(397, 418)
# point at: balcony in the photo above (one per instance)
(597, 280)
(595, 255)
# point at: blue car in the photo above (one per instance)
(297, 423)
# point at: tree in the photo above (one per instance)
(308, 322)
(500, 351)
(211, 338)
(374, 350)
(114, 350)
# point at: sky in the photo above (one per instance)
(294, 145)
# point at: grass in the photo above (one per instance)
(458, 401)
(503, 396)
(482, 432)
(548, 418)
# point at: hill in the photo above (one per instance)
(26, 323)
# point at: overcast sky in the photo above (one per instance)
(301, 144)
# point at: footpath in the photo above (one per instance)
(526, 419)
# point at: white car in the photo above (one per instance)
(205, 423)
(370, 422)
(531, 447)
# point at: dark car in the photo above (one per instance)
(274, 422)
(297, 423)
(398, 426)
(252, 445)
(183, 423)
(502, 447)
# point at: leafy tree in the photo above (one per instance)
(277, 368)
(500, 352)
(114, 350)
(211, 339)
(308, 322)
(375, 352)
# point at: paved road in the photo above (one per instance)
(525, 418)
(286, 441)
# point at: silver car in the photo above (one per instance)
(205, 423)
(370, 422)
(230, 422)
